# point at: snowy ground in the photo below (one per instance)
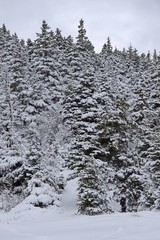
(52, 225)
(64, 224)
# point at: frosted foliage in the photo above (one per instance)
(65, 108)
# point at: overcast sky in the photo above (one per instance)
(124, 21)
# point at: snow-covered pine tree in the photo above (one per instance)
(15, 90)
(43, 121)
(107, 48)
(115, 132)
(81, 114)
(149, 150)
(92, 195)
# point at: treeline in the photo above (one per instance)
(64, 106)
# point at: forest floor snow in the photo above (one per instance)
(64, 224)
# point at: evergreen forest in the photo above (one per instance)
(64, 107)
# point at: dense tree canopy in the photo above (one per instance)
(64, 106)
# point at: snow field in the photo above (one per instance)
(29, 223)
(52, 224)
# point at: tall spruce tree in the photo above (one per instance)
(15, 96)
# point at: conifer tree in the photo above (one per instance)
(107, 47)
(92, 197)
(42, 113)
(14, 99)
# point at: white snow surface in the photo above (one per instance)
(62, 223)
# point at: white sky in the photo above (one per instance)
(124, 21)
